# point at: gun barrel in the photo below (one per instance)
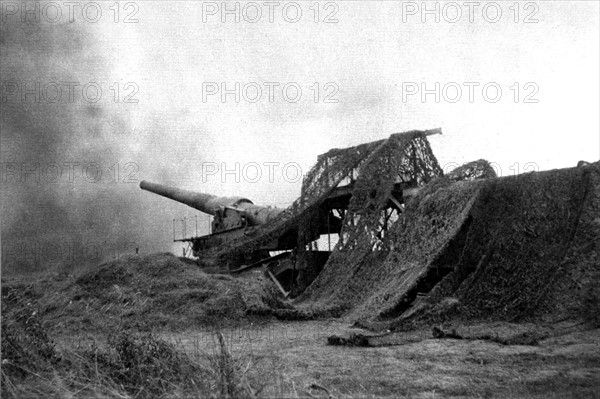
(206, 203)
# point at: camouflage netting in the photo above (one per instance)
(513, 248)
(377, 283)
(468, 245)
(529, 251)
(376, 166)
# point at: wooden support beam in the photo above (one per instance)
(395, 202)
(285, 294)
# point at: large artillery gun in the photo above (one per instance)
(345, 189)
(229, 213)
(232, 218)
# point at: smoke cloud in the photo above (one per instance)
(70, 165)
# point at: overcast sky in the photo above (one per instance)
(374, 62)
(513, 83)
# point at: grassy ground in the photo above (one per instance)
(294, 360)
(158, 329)
(277, 359)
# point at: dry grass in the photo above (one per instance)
(136, 320)
(283, 360)
(131, 366)
(122, 364)
(294, 360)
(228, 372)
(142, 293)
(91, 332)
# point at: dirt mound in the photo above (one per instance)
(507, 248)
(147, 292)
